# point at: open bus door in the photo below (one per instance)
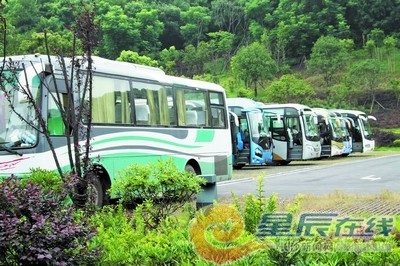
(281, 140)
(237, 143)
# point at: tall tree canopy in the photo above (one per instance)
(254, 65)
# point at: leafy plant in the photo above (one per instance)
(159, 187)
(36, 229)
(126, 240)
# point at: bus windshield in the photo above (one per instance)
(337, 130)
(311, 128)
(15, 124)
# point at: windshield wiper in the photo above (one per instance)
(7, 148)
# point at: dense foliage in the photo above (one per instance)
(331, 44)
(36, 228)
(160, 189)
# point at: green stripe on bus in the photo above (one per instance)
(205, 135)
(129, 138)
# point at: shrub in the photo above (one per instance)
(161, 187)
(384, 138)
(255, 206)
(396, 143)
(126, 241)
(36, 229)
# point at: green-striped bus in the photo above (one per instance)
(139, 115)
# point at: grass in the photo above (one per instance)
(394, 150)
(393, 130)
(365, 205)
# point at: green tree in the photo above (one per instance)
(253, 65)
(36, 43)
(228, 15)
(134, 57)
(304, 22)
(22, 14)
(328, 57)
(119, 32)
(221, 45)
(363, 16)
(148, 25)
(170, 16)
(367, 76)
(195, 58)
(195, 24)
(390, 51)
(169, 59)
(394, 84)
(289, 89)
(374, 44)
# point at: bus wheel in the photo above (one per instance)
(95, 190)
(189, 168)
(238, 166)
(283, 163)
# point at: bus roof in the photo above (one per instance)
(353, 112)
(297, 106)
(242, 102)
(325, 112)
(102, 65)
(199, 84)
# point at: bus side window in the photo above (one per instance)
(218, 118)
(191, 118)
(201, 118)
(142, 114)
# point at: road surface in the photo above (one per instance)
(360, 174)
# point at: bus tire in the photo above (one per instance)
(238, 166)
(283, 163)
(96, 195)
(189, 168)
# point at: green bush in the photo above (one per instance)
(126, 241)
(396, 143)
(255, 206)
(47, 180)
(161, 187)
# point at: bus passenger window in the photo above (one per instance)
(218, 117)
(142, 114)
(191, 118)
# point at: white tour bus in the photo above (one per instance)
(361, 131)
(331, 132)
(139, 115)
(294, 133)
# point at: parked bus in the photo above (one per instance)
(347, 125)
(362, 138)
(294, 133)
(139, 115)
(251, 138)
(331, 132)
